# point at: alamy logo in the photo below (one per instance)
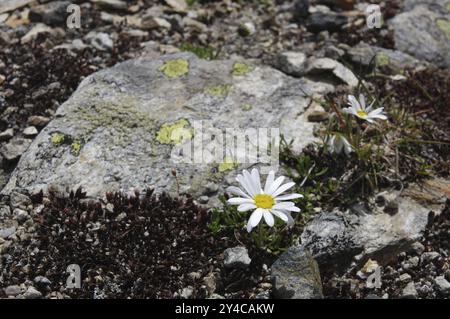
(74, 19)
(374, 18)
(205, 144)
(74, 279)
(374, 280)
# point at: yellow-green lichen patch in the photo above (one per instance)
(382, 59)
(227, 164)
(175, 68)
(444, 25)
(246, 107)
(219, 90)
(121, 119)
(240, 68)
(175, 133)
(75, 147)
(448, 6)
(57, 139)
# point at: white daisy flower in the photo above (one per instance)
(267, 202)
(359, 109)
(337, 143)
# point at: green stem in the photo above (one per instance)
(260, 236)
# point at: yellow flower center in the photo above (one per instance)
(362, 113)
(264, 201)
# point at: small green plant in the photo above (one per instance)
(203, 52)
(226, 218)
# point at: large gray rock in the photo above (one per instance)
(296, 275)
(335, 238)
(423, 30)
(395, 61)
(124, 127)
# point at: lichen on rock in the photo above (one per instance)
(175, 68)
(57, 139)
(240, 68)
(246, 107)
(120, 116)
(174, 133)
(228, 164)
(219, 90)
(75, 147)
(382, 59)
(444, 25)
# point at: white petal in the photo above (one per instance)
(362, 101)
(269, 181)
(349, 110)
(338, 145)
(241, 179)
(288, 196)
(293, 209)
(250, 182)
(347, 147)
(254, 219)
(237, 191)
(290, 221)
(268, 218)
(245, 207)
(282, 205)
(290, 206)
(353, 102)
(283, 188)
(347, 150)
(274, 186)
(256, 180)
(378, 116)
(239, 200)
(331, 144)
(377, 111)
(280, 215)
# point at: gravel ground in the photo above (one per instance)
(152, 247)
(38, 73)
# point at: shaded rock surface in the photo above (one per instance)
(336, 238)
(52, 13)
(423, 30)
(321, 21)
(126, 126)
(395, 61)
(296, 275)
